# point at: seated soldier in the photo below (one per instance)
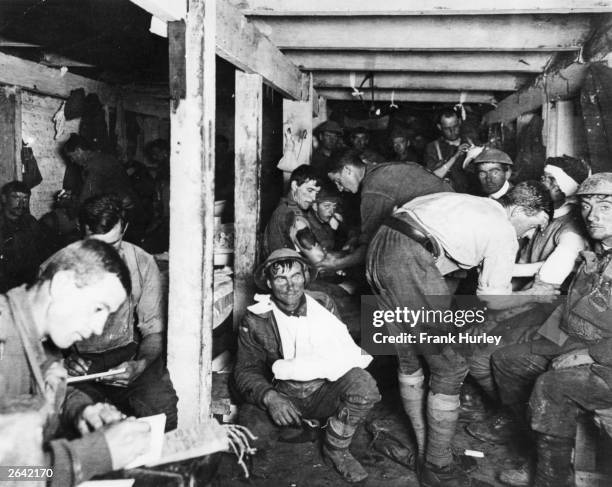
(359, 140)
(569, 370)
(81, 285)
(22, 240)
(445, 155)
(296, 362)
(61, 225)
(323, 217)
(400, 143)
(493, 169)
(304, 184)
(133, 336)
(329, 137)
(551, 255)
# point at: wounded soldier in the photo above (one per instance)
(569, 370)
(297, 362)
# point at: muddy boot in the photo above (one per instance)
(472, 406)
(385, 442)
(412, 392)
(554, 461)
(521, 476)
(448, 476)
(338, 436)
(498, 430)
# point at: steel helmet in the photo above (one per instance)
(600, 183)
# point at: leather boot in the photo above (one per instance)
(498, 430)
(412, 392)
(448, 476)
(338, 436)
(554, 461)
(521, 476)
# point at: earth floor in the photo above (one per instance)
(301, 464)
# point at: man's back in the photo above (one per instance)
(473, 231)
(390, 185)
(465, 225)
(15, 377)
(104, 174)
(21, 248)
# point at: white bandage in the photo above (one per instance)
(568, 185)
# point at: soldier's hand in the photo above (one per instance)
(126, 441)
(281, 409)
(77, 365)
(572, 359)
(329, 263)
(96, 416)
(546, 298)
(463, 148)
(133, 370)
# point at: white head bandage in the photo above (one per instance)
(567, 184)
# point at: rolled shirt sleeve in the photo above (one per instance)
(496, 269)
(562, 261)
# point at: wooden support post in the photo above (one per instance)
(247, 192)
(565, 130)
(190, 315)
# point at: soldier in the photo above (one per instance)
(570, 370)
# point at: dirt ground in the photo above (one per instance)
(301, 465)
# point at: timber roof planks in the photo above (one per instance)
(413, 50)
(426, 50)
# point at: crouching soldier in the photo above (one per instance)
(296, 361)
(570, 371)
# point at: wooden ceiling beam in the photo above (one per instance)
(416, 7)
(427, 81)
(554, 86)
(442, 33)
(165, 10)
(240, 43)
(437, 62)
(50, 81)
(409, 96)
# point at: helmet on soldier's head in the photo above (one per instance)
(493, 155)
(599, 183)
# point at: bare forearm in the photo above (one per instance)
(442, 171)
(354, 258)
(516, 299)
(150, 348)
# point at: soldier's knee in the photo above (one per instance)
(361, 387)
